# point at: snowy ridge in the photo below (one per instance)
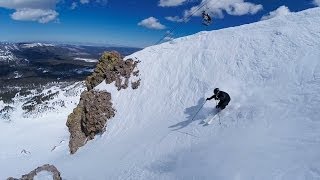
(86, 59)
(6, 54)
(270, 130)
(31, 45)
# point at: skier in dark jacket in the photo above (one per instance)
(223, 98)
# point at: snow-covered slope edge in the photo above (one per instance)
(270, 130)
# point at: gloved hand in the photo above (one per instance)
(215, 97)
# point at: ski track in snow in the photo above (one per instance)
(270, 130)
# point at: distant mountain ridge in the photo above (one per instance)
(54, 60)
(9, 50)
(25, 65)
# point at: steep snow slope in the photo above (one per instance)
(270, 130)
(28, 138)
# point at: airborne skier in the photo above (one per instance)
(222, 96)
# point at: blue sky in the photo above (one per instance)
(130, 23)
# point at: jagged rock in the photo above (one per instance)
(136, 84)
(89, 117)
(98, 109)
(77, 136)
(95, 108)
(46, 167)
(112, 68)
(106, 63)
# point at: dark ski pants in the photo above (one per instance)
(223, 104)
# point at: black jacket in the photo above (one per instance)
(222, 96)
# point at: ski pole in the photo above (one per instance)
(198, 111)
(188, 134)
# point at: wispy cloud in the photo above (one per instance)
(42, 11)
(168, 38)
(282, 10)
(170, 3)
(93, 1)
(104, 2)
(151, 23)
(231, 7)
(217, 8)
(84, 1)
(39, 15)
(74, 5)
(174, 19)
(34, 4)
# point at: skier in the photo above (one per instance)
(223, 98)
(206, 18)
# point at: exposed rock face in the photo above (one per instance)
(96, 116)
(112, 68)
(89, 118)
(106, 62)
(46, 167)
(77, 137)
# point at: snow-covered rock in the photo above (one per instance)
(45, 172)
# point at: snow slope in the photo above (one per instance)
(270, 130)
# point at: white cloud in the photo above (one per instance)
(316, 2)
(34, 4)
(242, 8)
(216, 8)
(282, 10)
(42, 11)
(168, 38)
(151, 23)
(104, 2)
(84, 1)
(174, 19)
(169, 3)
(74, 5)
(39, 15)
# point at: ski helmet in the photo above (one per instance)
(216, 90)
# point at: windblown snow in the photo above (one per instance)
(270, 130)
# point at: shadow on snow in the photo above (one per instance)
(191, 111)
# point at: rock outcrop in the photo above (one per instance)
(49, 168)
(112, 68)
(106, 63)
(89, 118)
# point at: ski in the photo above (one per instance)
(208, 122)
